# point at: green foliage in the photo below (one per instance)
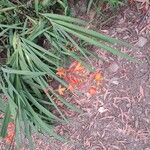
(24, 28)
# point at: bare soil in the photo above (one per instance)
(117, 117)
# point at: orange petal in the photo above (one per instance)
(79, 67)
(72, 66)
(70, 87)
(98, 76)
(8, 139)
(72, 79)
(10, 132)
(92, 90)
(61, 90)
(60, 71)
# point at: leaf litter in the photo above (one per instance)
(117, 116)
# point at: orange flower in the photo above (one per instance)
(79, 67)
(60, 71)
(61, 90)
(75, 67)
(72, 79)
(92, 90)
(70, 87)
(98, 76)
(10, 133)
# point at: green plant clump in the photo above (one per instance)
(33, 43)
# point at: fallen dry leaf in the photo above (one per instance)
(60, 71)
(92, 90)
(141, 91)
(61, 90)
(144, 6)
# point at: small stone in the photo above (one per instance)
(102, 110)
(113, 67)
(141, 42)
(114, 80)
(128, 105)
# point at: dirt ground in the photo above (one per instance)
(117, 117)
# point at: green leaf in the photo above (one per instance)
(39, 48)
(42, 82)
(5, 122)
(27, 129)
(89, 5)
(92, 33)
(36, 5)
(40, 107)
(97, 43)
(64, 18)
(43, 125)
(2, 105)
(69, 105)
(23, 72)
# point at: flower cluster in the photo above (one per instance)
(76, 75)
